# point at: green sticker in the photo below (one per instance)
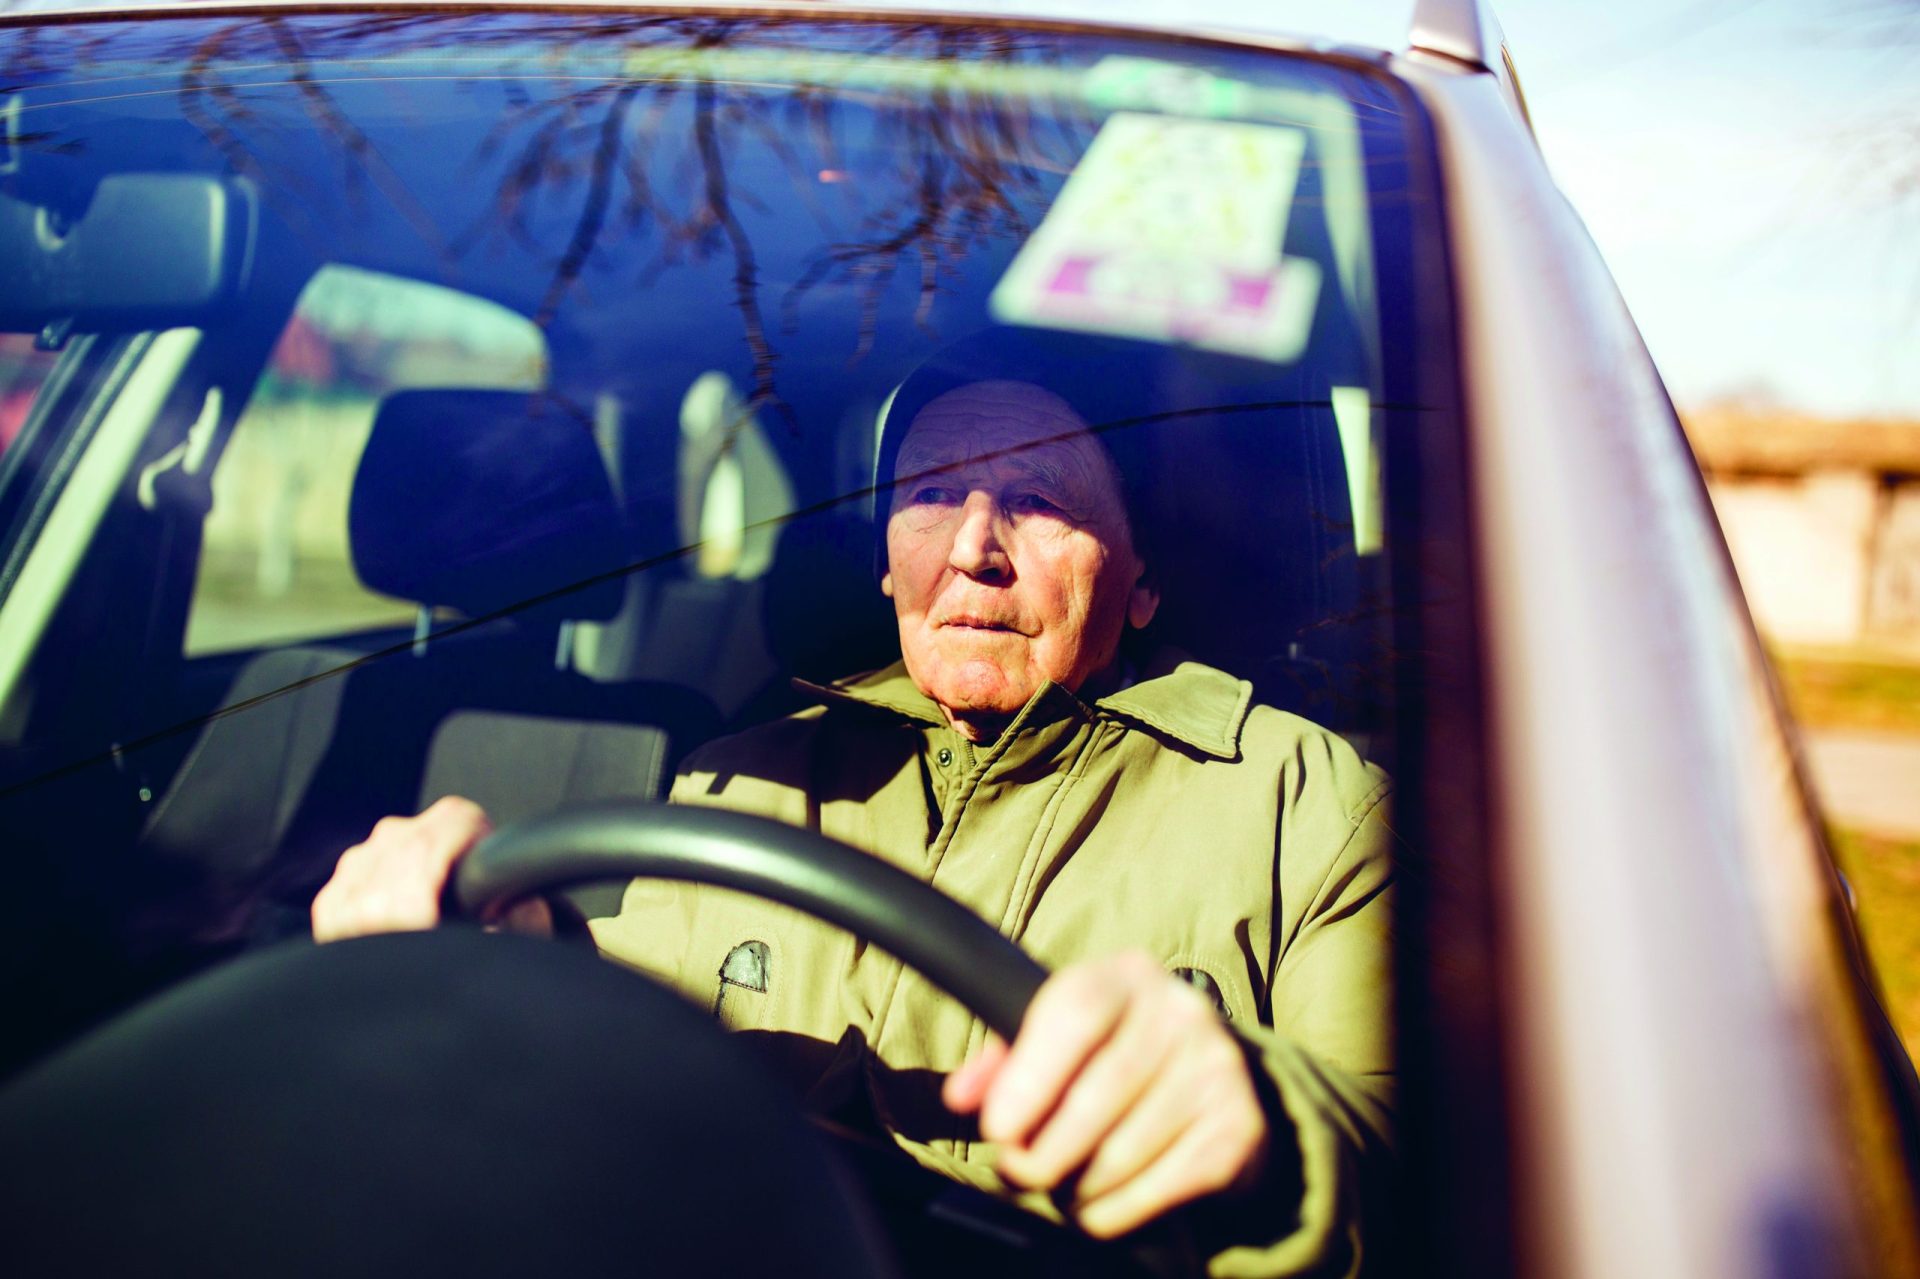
(1117, 82)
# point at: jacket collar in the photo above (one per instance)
(1175, 697)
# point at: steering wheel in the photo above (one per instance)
(946, 942)
(331, 1049)
(949, 944)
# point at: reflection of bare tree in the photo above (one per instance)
(958, 166)
(196, 84)
(717, 211)
(962, 165)
(333, 122)
(223, 115)
(593, 211)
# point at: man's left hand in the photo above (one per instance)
(1124, 1075)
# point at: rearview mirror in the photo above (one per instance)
(150, 250)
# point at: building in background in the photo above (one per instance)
(1823, 519)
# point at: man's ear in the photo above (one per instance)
(886, 583)
(1144, 601)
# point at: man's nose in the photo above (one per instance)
(978, 550)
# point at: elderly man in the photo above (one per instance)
(1208, 877)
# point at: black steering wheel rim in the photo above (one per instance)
(625, 839)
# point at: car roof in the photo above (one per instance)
(1464, 30)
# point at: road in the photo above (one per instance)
(1869, 781)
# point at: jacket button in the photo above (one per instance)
(945, 756)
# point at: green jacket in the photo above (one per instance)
(1238, 844)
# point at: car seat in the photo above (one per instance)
(492, 505)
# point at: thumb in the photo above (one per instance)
(967, 1087)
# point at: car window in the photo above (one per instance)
(275, 564)
(24, 367)
(556, 377)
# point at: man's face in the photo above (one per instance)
(1008, 553)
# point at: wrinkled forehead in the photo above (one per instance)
(1023, 425)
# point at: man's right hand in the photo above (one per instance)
(391, 882)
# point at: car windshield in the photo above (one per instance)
(547, 377)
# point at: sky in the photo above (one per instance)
(1751, 171)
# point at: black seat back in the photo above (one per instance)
(497, 505)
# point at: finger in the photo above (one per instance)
(1139, 1137)
(1206, 1157)
(529, 917)
(341, 908)
(392, 880)
(450, 826)
(967, 1087)
(325, 915)
(1107, 1088)
(1207, 1085)
(411, 860)
(371, 894)
(1071, 1016)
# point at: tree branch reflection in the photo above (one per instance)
(599, 139)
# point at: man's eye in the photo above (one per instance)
(932, 495)
(1034, 503)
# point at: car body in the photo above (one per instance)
(1640, 1033)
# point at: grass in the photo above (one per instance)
(1868, 690)
(1885, 874)
(1847, 691)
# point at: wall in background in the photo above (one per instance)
(1823, 519)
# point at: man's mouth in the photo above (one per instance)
(981, 624)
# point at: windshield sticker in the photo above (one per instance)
(1170, 230)
(1151, 84)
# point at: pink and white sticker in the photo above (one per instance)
(1170, 230)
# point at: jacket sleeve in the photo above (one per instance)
(1326, 1061)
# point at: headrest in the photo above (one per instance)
(486, 500)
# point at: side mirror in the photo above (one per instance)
(150, 250)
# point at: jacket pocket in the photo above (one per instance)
(745, 975)
(1202, 980)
